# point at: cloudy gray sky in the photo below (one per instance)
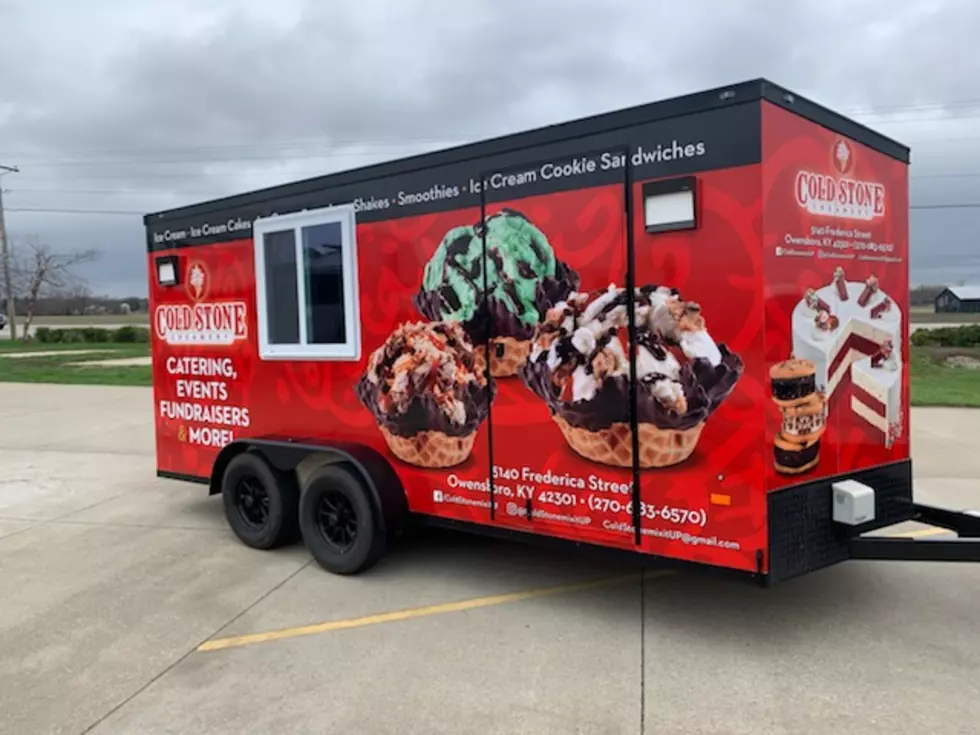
(139, 105)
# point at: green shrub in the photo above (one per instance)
(95, 335)
(967, 335)
(130, 335)
(92, 335)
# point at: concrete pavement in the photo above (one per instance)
(114, 578)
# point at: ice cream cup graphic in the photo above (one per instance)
(424, 390)
(578, 365)
(499, 296)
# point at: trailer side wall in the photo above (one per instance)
(212, 386)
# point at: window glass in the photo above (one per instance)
(323, 269)
(281, 287)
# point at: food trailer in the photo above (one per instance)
(678, 332)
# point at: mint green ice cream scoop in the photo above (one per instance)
(521, 271)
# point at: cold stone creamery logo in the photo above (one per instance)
(201, 322)
(840, 195)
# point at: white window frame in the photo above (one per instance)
(340, 214)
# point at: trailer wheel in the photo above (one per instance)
(339, 523)
(261, 503)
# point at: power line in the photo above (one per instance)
(442, 140)
(42, 210)
(886, 109)
(203, 192)
(140, 213)
(306, 155)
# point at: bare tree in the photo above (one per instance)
(41, 272)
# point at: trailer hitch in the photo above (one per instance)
(966, 547)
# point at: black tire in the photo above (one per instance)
(340, 522)
(261, 503)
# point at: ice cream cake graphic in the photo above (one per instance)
(523, 279)
(877, 392)
(796, 448)
(835, 325)
(424, 390)
(579, 366)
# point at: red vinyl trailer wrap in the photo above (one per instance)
(451, 338)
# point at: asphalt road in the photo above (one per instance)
(112, 580)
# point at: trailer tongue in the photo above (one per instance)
(678, 332)
(965, 547)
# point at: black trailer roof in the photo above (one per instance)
(735, 94)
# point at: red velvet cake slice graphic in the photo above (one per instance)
(860, 319)
(877, 392)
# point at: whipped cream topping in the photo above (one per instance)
(585, 340)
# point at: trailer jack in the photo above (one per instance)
(966, 547)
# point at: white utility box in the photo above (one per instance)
(854, 502)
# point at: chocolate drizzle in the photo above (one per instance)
(423, 412)
(653, 343)
(491, 316)
(705, 387)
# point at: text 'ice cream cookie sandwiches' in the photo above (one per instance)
(804, 410)
(579, 366)
(523, 280)
(424, 390)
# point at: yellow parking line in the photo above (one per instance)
(216, 644)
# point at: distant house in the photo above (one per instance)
(958, 299)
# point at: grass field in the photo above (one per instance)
(935, 383)
(55, 366)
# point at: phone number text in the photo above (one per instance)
(650, 511)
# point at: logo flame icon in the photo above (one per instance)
(197, 280)
(842, 156)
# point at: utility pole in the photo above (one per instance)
(5, 258)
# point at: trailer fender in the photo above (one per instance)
(303, 456)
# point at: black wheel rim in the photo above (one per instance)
(336, 521)
(252, 502)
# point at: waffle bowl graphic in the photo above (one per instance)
(425, 392)
(579, 366)
(521, 274)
